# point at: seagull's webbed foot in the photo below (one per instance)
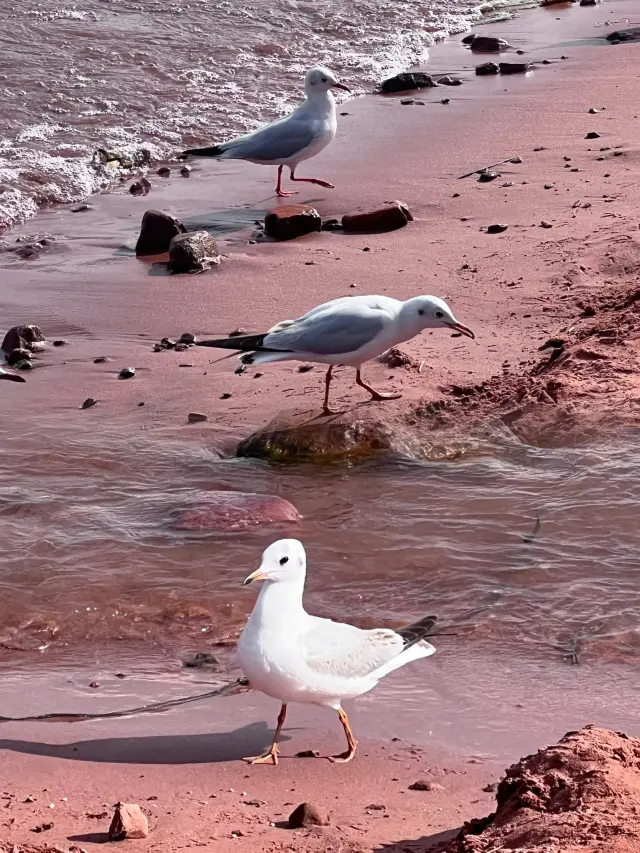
(286, 193)
(270, 757)
(376, 395)
(344, 757)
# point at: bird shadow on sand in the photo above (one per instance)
(250, 740)
(426, 844)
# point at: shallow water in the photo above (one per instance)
(92, 567)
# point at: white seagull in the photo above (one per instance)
(291, 139)
(349, 331)
(13, 377)
(295, 657)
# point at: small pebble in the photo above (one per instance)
(127, 373)
(593, 111)
(239, 370)
(305, 368)
(545, 224)
(164, 171)
(140, 404)
(88, 403)
(80, 208)
(517, 159)
(593, 134)
(100, 360)
(548, 186)
(496, 229)
(94, 685)
(196, 417)
(236, 332)
(169, 343)
(407, 101)
(445, 101)
(226, 394)
(60, 343)
(185, 171)
(486, 176)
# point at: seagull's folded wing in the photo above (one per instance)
(277, 141)
(333, 648)
(330, 332)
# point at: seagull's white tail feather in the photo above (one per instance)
(423, 649)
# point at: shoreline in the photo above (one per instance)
(106, 303)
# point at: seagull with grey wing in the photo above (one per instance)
(289, 140)
(348, 331)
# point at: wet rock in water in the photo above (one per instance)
(196, 417)
(332, 225)
(60, 343)
(486, 176)
(449, 81)
(223, 512)
(406, 82)
(514, 67)
(387, 218)
(306, 814)
(185, 171)
(196, 251)
(407, 101)
(487, 68)
(127, 373)
(593, 134)
(296, 437)
(485, 44)
(292, 220)
(100, 360)
(164, 172)
(589, 2)
(631, 34)
(128, 822)
(27, 336)
(141, 187)
(496, 229)
(17, 355)
(201, 660)
(156, 233)
(89, 403)
(122, 160)
(187, 338)
(23, 364)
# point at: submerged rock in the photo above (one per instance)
(225, 512)
(485, 44)
(292, 220)
(406, 82)
(387, 218)
(156, 233)
(196, 251)
(487, 68)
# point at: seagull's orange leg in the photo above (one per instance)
(317, 181)
(279, 191)
(351, 741)
(271, 757)
(375, 395)
(327, 384)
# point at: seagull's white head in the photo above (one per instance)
(321, 80)
(430, 312)
(283, 562)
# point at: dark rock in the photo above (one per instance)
(185, 171)
(127, 373)
(589, 311)
(469, 38)
(23, 364)
(545, 224)
(17, 355)
(60, 343)
(187, 338)
(305, 368)
(169, 343)
(100, 360)
(80, 208)
(128, 822)
(445, 101)
(514, 67)
(27, 336)
(89, 403)
(308, 753)
(449, 81)
(406, 82)
(632, 34)
(589, 2)
(201, 660)
(332, 225)
(196, 417)
(593, 134)
(491, 788)
(407, 101)
(224, 512)
(237, 332)
(487, 68)
(485, 177)
(141, 187)
(156, 233)
(421, 785)
(388, 218)
(94, 685)
(193, 252)
(487, 44)
(376, 807)
(307, 814)
(12, 377)
(496, 229)
(164, 172)
(292, 220)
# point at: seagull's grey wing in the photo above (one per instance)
(329, 333)
(277, 141)
(332, 648)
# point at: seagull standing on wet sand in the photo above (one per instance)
(291, 139)
(295, 657)
(349, 331)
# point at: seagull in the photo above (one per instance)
(349, 330)
(14, 377)
(291, 139)
(295, 657)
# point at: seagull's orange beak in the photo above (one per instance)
(340, 86)
(464, 330)
(258, 575)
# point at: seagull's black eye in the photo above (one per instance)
(439, 314)
(324, 79)
(421, 312)
(283, 560)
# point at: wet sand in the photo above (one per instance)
(521, 294)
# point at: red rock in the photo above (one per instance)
(387, 218)
(306, 814)
(232, 511)
(292, 220)
(128, 822)
(156, 232)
